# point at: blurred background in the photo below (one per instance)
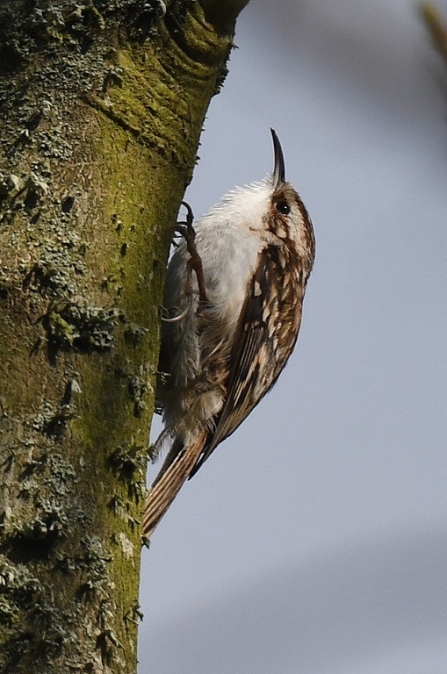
(314, 541)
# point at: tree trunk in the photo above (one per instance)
(101, 105)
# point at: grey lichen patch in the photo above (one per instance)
(57, 54)
(45, 487)
(6, 284)
(49, 524)
(143, 16)
(70, 23)
(139, 387)
(54, 625)
(83, 327)
(36, 626)
(23, 594)
(129, 464)
(10, 185)
(19, 589)
(121, 510)
(98, 589)
(134, 614)
(114, 77)
(52, 421)
(84, 19)
(94, 562)
(126, 545)
(54, 274)
(79, 30)
(17, 586)
(107, 641)
(134, 334)
(36, 187)
(39, 480)
(34, 219)
(129, 460)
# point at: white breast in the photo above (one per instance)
(228, 242)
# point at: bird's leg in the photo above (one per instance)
(194, 263)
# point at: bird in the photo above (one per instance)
(237, 282)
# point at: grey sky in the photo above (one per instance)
(315, 538)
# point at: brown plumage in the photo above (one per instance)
(224, 354)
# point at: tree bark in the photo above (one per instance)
(101, 109)
(437, 27)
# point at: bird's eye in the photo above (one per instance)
(283, 207)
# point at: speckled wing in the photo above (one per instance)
(266, 334)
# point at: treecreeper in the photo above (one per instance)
(234, 290)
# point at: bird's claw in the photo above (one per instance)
(186, 229)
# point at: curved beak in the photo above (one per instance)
(279, 168)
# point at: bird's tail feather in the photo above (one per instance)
(175, 471)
